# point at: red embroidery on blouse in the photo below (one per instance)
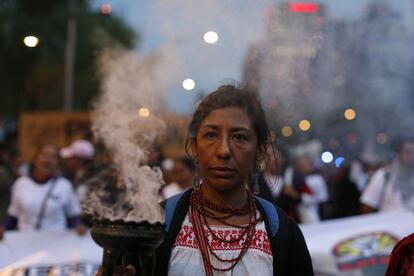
(260, 241)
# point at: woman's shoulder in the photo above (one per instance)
(64, 183)
(22, 180)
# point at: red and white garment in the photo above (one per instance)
(186, 258)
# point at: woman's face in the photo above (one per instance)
(225, 148)
(46, 162)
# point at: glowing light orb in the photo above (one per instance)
(287, 131)
(339, 161)
(210, 37)
(349, 114)
(31, 41)
(106, 9)
(144, 112)
(188, 84)
(304, 125)
(327, 157)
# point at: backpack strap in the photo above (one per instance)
(169, 210)
(271, 214)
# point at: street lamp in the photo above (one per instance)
(31, 41)
(144, 112)
(210, 37)
(287, 131)
(304, 125)
(188, 84)
(106, 9)
(349, 114)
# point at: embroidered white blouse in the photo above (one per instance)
(186, 258)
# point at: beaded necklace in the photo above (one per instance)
(201, 209)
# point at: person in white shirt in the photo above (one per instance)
(310, 187)
(43, 200)
(391, 188)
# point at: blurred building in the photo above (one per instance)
(313, 66)
(280, 67)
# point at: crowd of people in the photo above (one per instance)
(304, 190)
(228, 149)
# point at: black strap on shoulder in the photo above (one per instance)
(44, 203)
(289, 250)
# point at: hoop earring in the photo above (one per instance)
(197, 183)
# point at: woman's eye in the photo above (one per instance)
(240, 137)
(210, 135)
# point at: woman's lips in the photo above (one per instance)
(222, 171)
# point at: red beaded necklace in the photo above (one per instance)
(201, 209)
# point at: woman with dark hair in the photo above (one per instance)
(44, 200)
(219, 227)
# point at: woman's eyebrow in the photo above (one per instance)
(215, 127)
(233, 129)
(239, 128)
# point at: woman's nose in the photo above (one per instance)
(223, 148)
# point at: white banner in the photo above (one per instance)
(350, 246)
(357, 245)
(48, 253)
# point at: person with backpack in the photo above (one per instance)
(219, 227)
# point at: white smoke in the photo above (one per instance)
(129, 84)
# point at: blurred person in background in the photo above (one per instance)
(155, 156)
(78, 161)
(347, 185)
(181, 177)
(391, 187)
(6, 181)
(307, 188)
(44, 200)
(270, 180)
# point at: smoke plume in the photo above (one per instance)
(124, 119)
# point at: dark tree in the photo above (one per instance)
(33, 78)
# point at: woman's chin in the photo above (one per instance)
(224, 185)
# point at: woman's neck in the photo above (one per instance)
(40, 177)
(234, 198)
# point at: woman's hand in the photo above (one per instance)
(81, 229)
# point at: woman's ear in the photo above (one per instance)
(193, 144)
